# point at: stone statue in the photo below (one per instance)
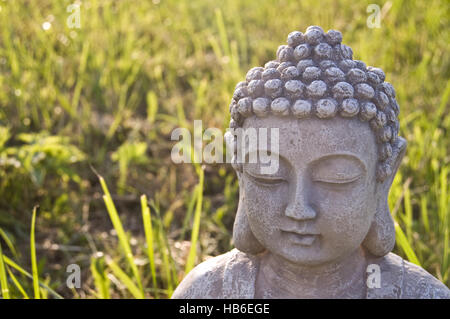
(320, 226)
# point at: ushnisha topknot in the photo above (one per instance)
(315, 75)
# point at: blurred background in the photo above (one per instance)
(100, 96)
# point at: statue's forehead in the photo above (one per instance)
(312, 138)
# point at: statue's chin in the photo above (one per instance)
(302, 259)
(311, 256)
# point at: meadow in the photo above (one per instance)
(86, 114)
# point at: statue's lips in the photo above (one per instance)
(303, 239)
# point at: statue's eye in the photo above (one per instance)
(337, 169)
(266, 180)
(337, 179)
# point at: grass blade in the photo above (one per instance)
(125, 279)
(196, 226)
(17, 284)
(152, 106)
(402, 241)
(8, 242)
(190, 210)
(424, 213)
(147, 219)
(117, 224)
(12, 264)
(443, 199)
(3, 279)
(408, 216)
(445, 257)
(101, 281)
(164, 248)
(34, 268)
(222, 32)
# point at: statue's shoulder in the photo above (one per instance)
(405, 280)
(210, 279)
(418, 283)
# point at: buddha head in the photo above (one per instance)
(338, 152)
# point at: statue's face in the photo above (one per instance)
(318, 206)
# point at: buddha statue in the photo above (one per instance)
(319, 226)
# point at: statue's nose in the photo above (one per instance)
(299, 207)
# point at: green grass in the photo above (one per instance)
(3, 280)
(196, 224)
(37, 292)
(147, 221)
(109, 94)
(123, 240)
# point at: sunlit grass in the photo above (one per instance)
(3, 280)
(37, 292)
(147, 221)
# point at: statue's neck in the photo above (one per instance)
(280, 278)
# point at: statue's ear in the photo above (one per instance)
(398, 152)
(243, 237)
(380, 239)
